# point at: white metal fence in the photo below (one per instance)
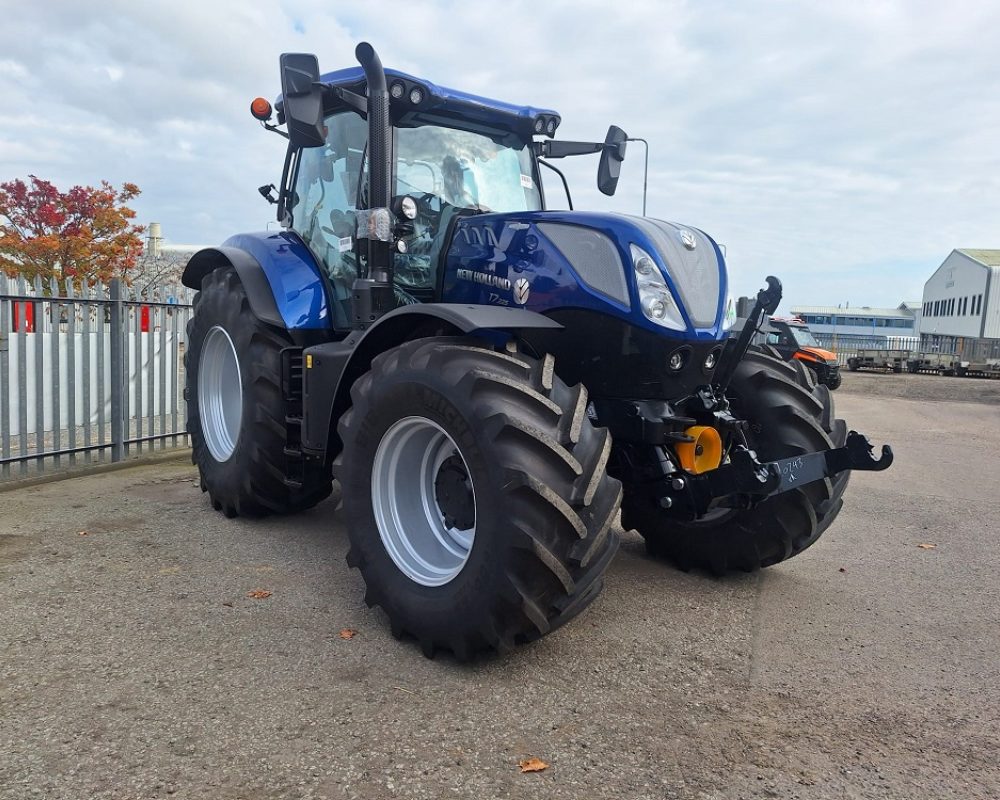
(88, 373)
(847, 345)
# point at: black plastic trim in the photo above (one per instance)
(332, 367)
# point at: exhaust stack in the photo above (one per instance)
(373, 294)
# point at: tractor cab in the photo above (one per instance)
(438, 174)
(439, 154)
(792, 339)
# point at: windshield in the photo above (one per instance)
(451, 172)
(803, 337)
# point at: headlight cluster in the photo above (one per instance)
(398, 90)
(655, 297)
(546, 126)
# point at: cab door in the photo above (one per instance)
(324, 201)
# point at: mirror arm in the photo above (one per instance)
(645, 169)
(273, 128)
(355, 101)
(557, 148)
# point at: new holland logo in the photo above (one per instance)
(522, 289)
(485, 278)
(688, 240)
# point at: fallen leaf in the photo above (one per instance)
(843, 569)
(83, 533)
(228, 605)
(348, 633)
(259, 594)
(926, 546)
(532, 765)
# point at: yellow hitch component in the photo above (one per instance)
(704, 453)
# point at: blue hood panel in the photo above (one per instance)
(506, 259)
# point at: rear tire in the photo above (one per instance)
(789, 415)
(543, 507)
(239, 447)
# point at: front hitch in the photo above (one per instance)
(744, 481)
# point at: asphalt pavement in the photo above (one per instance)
(135, 664)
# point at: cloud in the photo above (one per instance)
(846, 148)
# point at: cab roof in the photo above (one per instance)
(438, 105)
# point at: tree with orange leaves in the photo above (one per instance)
(84, 233)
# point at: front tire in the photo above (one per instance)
(789, 415)
(477, 504)
(236, 409)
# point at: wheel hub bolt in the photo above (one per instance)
(678, 484)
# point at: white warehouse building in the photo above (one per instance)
(961, 306)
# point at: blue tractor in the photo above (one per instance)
(489, 382)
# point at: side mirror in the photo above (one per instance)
(611, 160)
(302, 97)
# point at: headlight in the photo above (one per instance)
(655, 297)
(729, 315)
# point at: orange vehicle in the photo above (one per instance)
(792, 338)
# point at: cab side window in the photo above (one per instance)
(325, 201)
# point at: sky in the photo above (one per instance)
(845, 147)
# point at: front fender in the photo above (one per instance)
(332, 367)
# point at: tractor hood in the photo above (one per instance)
(548, 260)
(820, 354)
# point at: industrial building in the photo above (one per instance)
(862, 320)
(961, 306)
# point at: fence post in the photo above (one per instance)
(117, 383)
(5, 375)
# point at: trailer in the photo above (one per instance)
(951, 364)
(878, 359)
(932, 363)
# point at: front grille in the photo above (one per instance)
(593, 257)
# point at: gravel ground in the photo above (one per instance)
(921, 387)
(134, 664)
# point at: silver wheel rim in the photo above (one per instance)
(220, 394)
(413, 527)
